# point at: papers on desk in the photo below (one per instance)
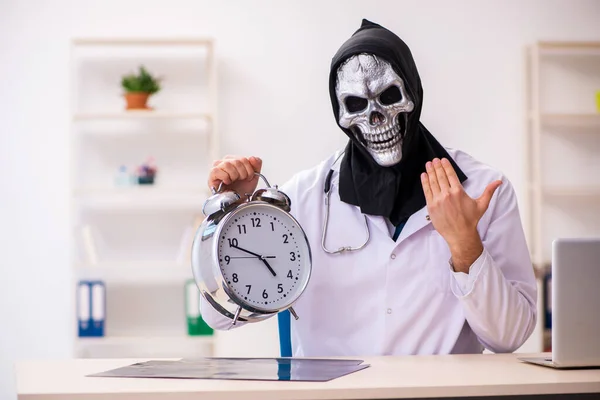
(265, 369)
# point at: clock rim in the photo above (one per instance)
(228, 290)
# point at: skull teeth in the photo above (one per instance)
(383, 138)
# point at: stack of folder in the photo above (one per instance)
(91, 308)
(547, 302)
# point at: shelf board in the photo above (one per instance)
(141, 340)
(141, 190)
(566, 48)
(571, 120)
(176, 346)
(136, 272)
(140, 114)
(569, 45)
(574, 191)
(122, 41)
(142, 197)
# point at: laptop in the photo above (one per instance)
(575, 305)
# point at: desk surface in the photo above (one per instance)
(388, 377)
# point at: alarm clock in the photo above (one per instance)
(250, 257)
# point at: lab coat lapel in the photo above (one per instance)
(416, 222)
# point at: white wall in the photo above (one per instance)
(274, 59)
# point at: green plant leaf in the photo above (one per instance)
(142, 82)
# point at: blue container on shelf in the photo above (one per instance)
(548, 301)
(91, 308)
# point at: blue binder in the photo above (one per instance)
(84, 308)
(91, 308)
(548, 301)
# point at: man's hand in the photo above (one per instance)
(236, 173)
(454, 214)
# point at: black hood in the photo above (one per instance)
(394, 192)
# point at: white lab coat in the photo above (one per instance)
(398, 298)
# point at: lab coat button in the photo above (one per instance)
(393, 256)
(389, 310)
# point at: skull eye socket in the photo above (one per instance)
(390, 95)
(355, 104)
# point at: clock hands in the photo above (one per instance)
(252, 257)
(262, 258)
(268, 266)
(247, 251)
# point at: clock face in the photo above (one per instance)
(264, 257)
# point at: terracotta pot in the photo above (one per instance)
(136, 101)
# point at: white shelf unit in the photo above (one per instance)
(140, 114)
(136, 238)
(138, 273)
(145, 347)
(142, 197)
(563, 144)
(569, 120)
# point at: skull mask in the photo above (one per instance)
(374, 105)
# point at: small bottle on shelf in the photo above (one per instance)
(122, 178)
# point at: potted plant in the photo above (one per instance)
(139, 87)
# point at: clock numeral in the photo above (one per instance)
(235, 278)
(265, 294)
(242, 229)
(227, 259)
(280, 288)
(255, 222)
(233, 242)
(292, 256)
(285, 238)
(272, 227)
(249, 287)
(289, 275)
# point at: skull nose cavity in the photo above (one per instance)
(376, 118)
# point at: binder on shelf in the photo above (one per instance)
(98, 307)
(548, 301)
(91, 308)
(89, 244)
(84, 309)
(195, 324)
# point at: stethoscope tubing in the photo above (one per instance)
(327, 190)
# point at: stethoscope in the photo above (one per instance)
(327, 190)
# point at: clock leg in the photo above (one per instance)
(236, 316)
(293, 312)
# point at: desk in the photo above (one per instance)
(452, 376)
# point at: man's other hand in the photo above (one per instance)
(454, 214)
